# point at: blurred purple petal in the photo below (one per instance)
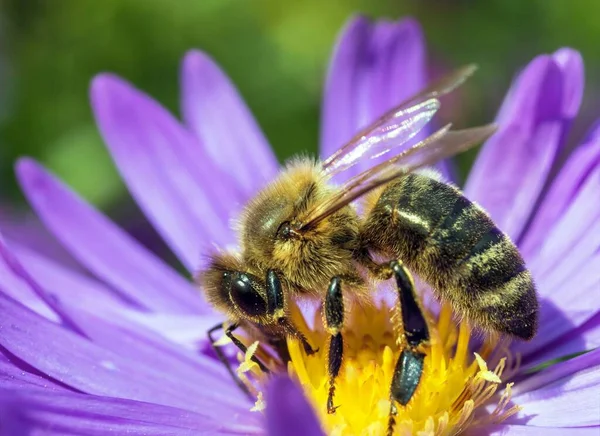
(40, 413)
(76, 362)
(338, 123)
(105, 249)
(214, 111)
(166, 170)
(512, 167)
(375, 66)
(571, 64)
(288, 411)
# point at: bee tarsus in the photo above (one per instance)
(392, 419)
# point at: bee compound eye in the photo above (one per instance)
(245, 296)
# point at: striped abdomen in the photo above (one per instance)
(453, 244)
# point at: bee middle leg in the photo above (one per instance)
(409, 366)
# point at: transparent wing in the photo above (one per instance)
(392, 130)
(440, 145)
(445, 85)
(397, 126)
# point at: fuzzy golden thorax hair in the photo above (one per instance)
(271, 239)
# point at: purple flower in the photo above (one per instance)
(118, 353)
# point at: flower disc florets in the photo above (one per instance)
(455, 383)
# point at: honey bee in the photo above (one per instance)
(302, 236)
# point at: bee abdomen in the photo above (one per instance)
(451, 243)
(498, 289)
(405, 215)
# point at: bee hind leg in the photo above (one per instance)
(409, 366)
(334, 320)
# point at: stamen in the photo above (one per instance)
(248, 364)
(260, 403)
(454, 386)
(484, 373)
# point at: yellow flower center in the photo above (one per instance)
(454, 385)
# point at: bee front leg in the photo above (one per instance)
(229, 333)
(409, 367)
(276, 310)
(334, 320)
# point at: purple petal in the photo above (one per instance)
(80, 290)
(27, 229)
(112, 331)
(166, 170)
(12, 267)
(82, 293)
(567, 186)
(103, 248)
(215, 112)
(564, 312)
(188, 331)
(39, 413)
(74, 361)
(571, 64)
(566, 262)
(530, 430)
(63, 300)
(288, 412)
(563, 395)
(577, 232)
(513, 165)
(16, 374)
(558, 371)
(374, 68)
(17, 289)
(584, 337)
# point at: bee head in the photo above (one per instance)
(240, 294)
(274, 237)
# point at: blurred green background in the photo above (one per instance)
(276, 52)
